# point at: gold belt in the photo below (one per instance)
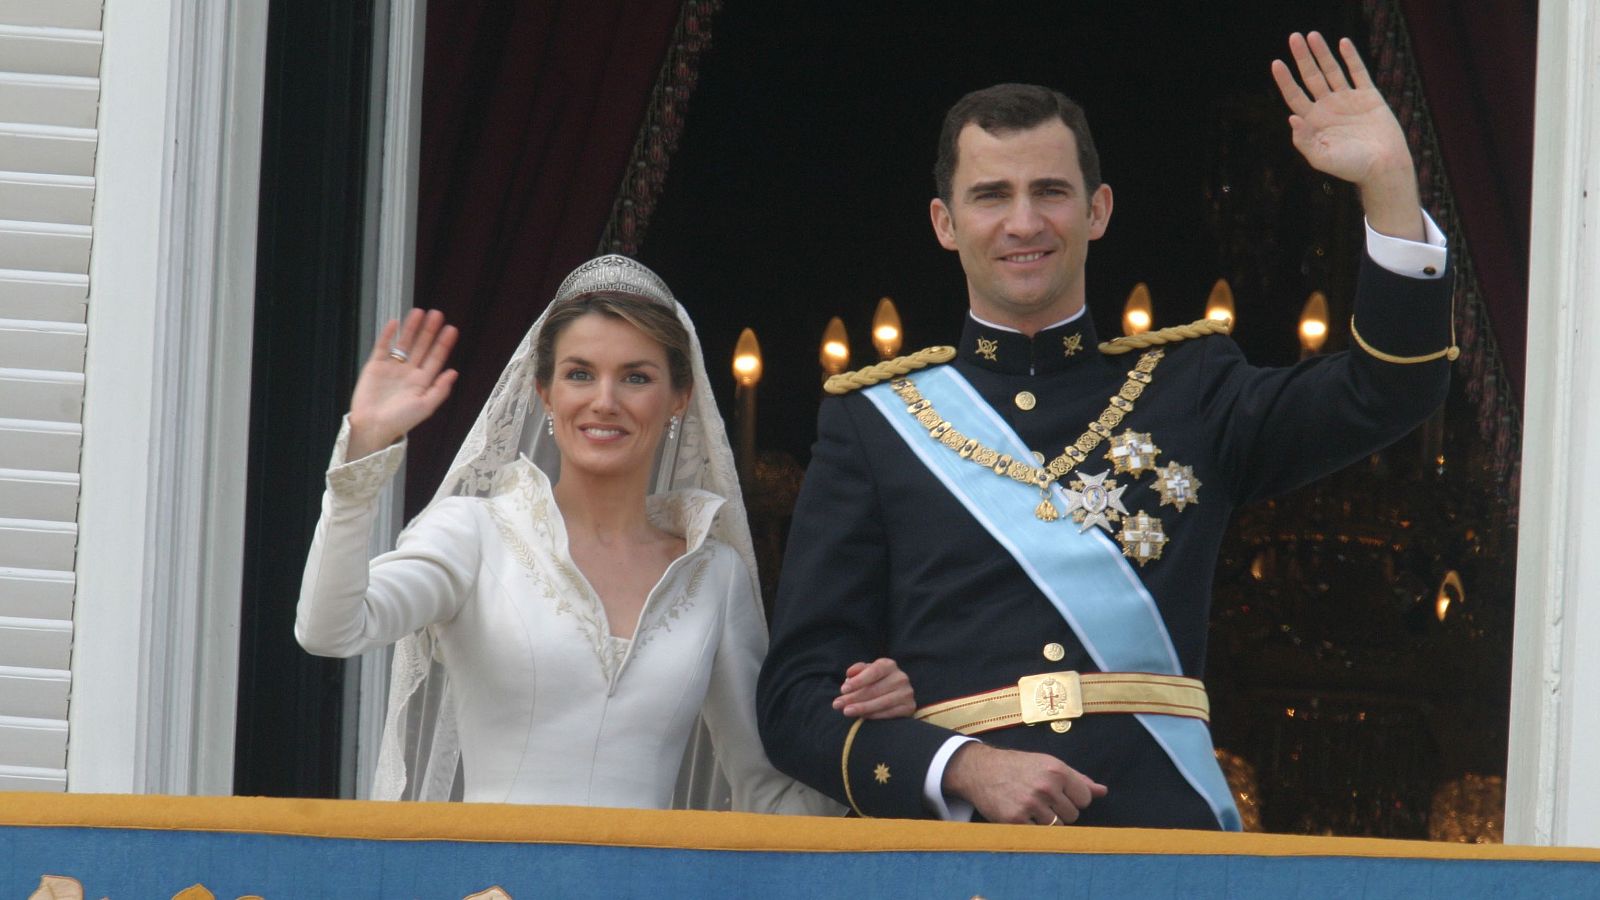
(1060, 697)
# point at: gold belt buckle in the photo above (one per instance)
(1050, 697)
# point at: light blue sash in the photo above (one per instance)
(1084, 575)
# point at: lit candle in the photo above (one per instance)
(1313, 323)
(835, 355)
(885, 329)
(1219, 306)
(1137, 314)
(746, 374)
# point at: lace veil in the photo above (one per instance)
(421, 751)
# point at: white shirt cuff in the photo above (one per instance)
(952, 809)
(1412, 259)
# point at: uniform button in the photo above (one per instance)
(1060, 726)
(1429, 270)
(1054, 651)
(1025, 400)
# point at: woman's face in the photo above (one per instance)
(610, 396)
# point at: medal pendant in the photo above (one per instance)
(1046, 511)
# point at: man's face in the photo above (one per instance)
(1021, 220)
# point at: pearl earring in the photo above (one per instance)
(550, 425)
(672, 428)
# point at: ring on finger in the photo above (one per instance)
(1054, 820)
(398, 355)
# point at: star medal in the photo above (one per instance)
(1142, 538)
(1132, 453)
(1178, 486)
(1092, 500)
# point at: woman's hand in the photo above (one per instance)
(876, 690)
(402, 383)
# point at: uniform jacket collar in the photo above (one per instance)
(1010, 352)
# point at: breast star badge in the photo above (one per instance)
(988, 349)
(1178, 486)
(1092, 500)
(1142, 538)
(881, 774)
(1133, 453)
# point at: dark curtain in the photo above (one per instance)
(1476, 62)
(529, 114)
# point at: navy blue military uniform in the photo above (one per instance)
(883, 561)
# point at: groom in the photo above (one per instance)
(1038, 557)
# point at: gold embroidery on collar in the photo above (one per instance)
(988, 349)
(1072, 343)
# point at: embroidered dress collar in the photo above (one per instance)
(522, 498)
(688, 513)
(1010, 352)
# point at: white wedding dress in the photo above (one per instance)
(551, 707)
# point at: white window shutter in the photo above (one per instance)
(49, 98)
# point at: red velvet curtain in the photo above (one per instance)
(1476, 62)
(529, 114)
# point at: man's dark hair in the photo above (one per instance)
(1013, 107)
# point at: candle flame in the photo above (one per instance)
(1219, 306)
(835, 356)
(1314, 322)
(886, 329)
(1136, 313)
(747, 359)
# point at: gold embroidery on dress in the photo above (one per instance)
(587, 612)
(680, 603)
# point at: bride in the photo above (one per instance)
(580, 595)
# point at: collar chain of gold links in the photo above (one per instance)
(1040, 477)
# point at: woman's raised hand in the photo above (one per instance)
(403, 381)
(876, 690)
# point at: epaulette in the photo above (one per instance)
(845, 382)
(1197, 328)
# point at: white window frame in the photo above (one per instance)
(167, 398)
(393, 157)
(1552, 788)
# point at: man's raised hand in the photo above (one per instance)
(1343, 127)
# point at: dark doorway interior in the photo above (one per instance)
(308, 272)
